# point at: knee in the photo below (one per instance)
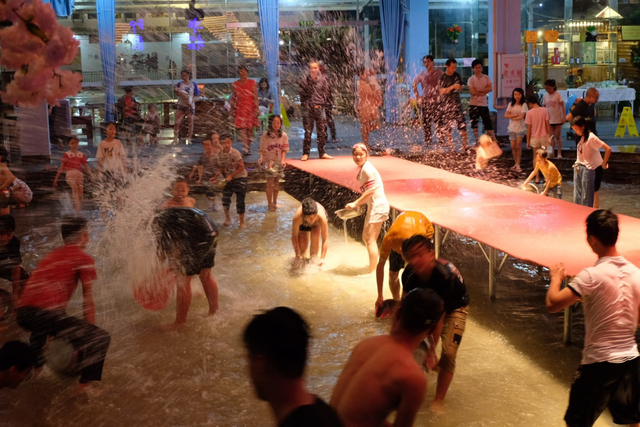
(447, 363)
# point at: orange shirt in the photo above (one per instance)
(405, 226)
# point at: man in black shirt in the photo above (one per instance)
(277, 341)
(424, 271)
(586, 108)
(10, 259)
(450, 84)
(313, 97)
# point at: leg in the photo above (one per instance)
(246, 135)
(241, 191)
(303, 242)
(269, 193)
(176, 126)
(364, 132)
(426, 124)
(596, 200)
(474, 116)
(307, 124)
(274, 194)
(330, 123)
(190, 116)
(577, 185)
(92, 343)
(451, 336)
(517, 154)
(210, 289)
(370, 236)
(314, 249)
(589, 179)
(394, 284)
(183, 300)
(227, 192)
(321, 128)
(75, 195)
(558, 136)
(463, 137)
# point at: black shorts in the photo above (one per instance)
(194, 259)
(598, 181)
(597, 386)
(475, 113)
(306, 227)
(455, 118)
(396, 262)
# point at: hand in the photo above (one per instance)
(605, 166)
(558, 272)
(351, 206)
(379, 302)
(431, 360)
(457, 86)
(229, 178)
(260, 161)
(213, 180)
(528, 146)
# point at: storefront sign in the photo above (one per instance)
(531, 36)
(551, 36)
(630, 32)
(137, 43)
(511, 75)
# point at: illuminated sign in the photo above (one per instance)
(195, 38)
(137, 43)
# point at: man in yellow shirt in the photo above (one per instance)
(551, 174)
(405, 226)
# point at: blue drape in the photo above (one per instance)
(269, 11)
(392, 19)
(62, 7)
(107, 32)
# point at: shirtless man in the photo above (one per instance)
(180, 197)
(310, 220)
(381, 375)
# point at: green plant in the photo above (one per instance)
(453, 32)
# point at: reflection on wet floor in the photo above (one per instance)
(511, 370)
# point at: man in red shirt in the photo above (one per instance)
(43, 303)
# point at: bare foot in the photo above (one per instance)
(168, 327)
(304, 158)
(227, 223)
(272, 208)
(325, 156)
(92, 389)
(437, 407)
(243, 225)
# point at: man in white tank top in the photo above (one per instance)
(610, 291)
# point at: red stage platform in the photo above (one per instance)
(541, 230)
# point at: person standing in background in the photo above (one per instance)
(313, 92)
(244, 107)
(480, 86)
(430, 98)
(554, 104)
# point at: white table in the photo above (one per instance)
(622, 93)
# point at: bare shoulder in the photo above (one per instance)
(190, 201)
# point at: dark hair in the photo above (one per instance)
(476, 62)
(417, 240)
(128, 89)
(542, 153)
(282, 336)
(18, 354)
(264, 80)
(420, 311)
(4, 155)
(522, 98)
(180, 181)
(7, 224)
(583, 122)
(107, 124)
(552, 83)
(186, 71)
(309, 206)
(73, 138)
(243, 67)
(71, 226)
(430, 57)
(603, 225)
(451, 61)
(533, 99)
(225, 136)
(270, 128)
(360, 70)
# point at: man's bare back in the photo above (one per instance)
(380, 377)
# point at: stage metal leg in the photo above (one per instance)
(437, 237)
(568, 318)
(492, 272)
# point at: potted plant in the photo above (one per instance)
(453, 33)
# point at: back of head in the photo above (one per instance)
(71, 227)
(420, 311)
(309, 206)
(603, 225)
(282, 337)
(533, 99)
(18, 354)
(415, 241)
(542, 153)
(7, 224)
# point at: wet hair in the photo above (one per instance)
(420, 311)
(592, 91)
(417, 240)
(7, 224)
(4, 155)
(451, 61)
(243, 67)
(270, 128)
(476, 62)
(264, 80)
(309, 206)
(18, 354)
(282, 336)
(429, 57)
(522, 98)
(603, 225)
(359, 146)
(541, 152)
(551, 83)
(72, 226)
(533, 99)
(186, 71)
(181, 181)
(583, 122)
(128, 89)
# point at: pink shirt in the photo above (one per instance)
(537, 118)
(71, 160)
(479, 83)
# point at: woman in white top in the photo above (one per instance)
(554, 104)
(587, 162)
(373, 196)
(274, 145)
(516, 112)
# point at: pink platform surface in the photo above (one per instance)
(542, 230)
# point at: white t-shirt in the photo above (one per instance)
(517, 125)
(610, 292)
(369, 178)
(190, 90)
(482, 82)
(553, 103)
(272, 148)
(229, 162)
(589, 151)
(112, 155)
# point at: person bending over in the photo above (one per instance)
(610, 291)
(407, 224)
(310, 224)
(277, 342)
(424, 271)
(17, 360)
(381, 375)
